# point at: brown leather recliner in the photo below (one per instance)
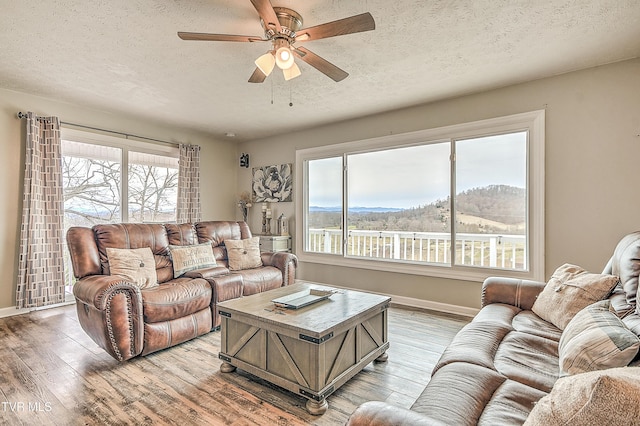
(127, 321)
(501, 363)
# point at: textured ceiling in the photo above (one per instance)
(125, 56)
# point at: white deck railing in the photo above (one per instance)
(489, 250)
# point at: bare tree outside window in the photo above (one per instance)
(91, 191)
(153, 188)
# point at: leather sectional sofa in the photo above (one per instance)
(126, 320)
(500, 365)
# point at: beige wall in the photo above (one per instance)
(218, 178)
(592, 167)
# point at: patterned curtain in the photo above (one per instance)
(40, 270)
(189, 184)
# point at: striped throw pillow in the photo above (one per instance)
(190, 258)
(596, 339)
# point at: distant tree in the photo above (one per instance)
(91, 190)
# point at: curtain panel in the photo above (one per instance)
(41, 262)
(188, 208)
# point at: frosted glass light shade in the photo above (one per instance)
(284, 58)
(266, 63)
(291, 72)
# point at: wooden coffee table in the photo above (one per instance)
(311, 351)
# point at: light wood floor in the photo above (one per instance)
(51, 373)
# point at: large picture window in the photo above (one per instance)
(463, 201)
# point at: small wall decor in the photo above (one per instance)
(244, 160)
(273, 184)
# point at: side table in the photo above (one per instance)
(274, 243)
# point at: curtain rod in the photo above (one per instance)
(126, 135)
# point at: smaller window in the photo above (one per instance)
(152, 189)
(324, 230)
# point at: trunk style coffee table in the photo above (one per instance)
(311, 350)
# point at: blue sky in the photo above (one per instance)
(414, 176)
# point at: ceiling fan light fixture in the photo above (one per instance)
(266, 63)
(284, 58)
(291, 72)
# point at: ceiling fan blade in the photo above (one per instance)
(353, 24)
(321, 64)
(257, 76)
(267, 14)
(217, 37)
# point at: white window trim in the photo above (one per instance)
(533, 121)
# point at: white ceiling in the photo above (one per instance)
(125, 56)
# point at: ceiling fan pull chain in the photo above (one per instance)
(271, 91)
(290, 95)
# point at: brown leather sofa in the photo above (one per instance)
(127, 321)
(499, 365)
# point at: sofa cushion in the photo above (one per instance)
(243, 254)
(181, 234)
(217, 232)
(175, 299)
(189, 258)
(131, 235)
(530, 323)
(161, 335)
(468, 394)
(594, 398)
(492, 341)
(568, 291)
(136, 266)
(528, 359)
(596, 339)
(260, 279)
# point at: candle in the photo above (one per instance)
(268, 213)
(264, 207)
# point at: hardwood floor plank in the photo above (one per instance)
(48, 361)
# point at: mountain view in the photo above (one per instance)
(490, 209)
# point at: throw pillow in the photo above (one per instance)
(605, 397)
(243, 254)
(137, 266)
(189, 258)
(596, 339)
(568, 291)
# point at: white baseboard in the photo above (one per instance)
(421, 303)
(435, 306)
(12, 310)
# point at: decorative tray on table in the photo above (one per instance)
(303, 298)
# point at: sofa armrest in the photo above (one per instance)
(376, 413)
(286, 262)
(110, 312)
(512, 291)
(95, 290)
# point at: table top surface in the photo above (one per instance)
(316, 318)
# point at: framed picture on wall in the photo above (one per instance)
(273, 184)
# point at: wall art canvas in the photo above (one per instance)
(273, 184)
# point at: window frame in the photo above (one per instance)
(533, 122)
(126, 144)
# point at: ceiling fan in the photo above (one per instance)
(282, 27)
